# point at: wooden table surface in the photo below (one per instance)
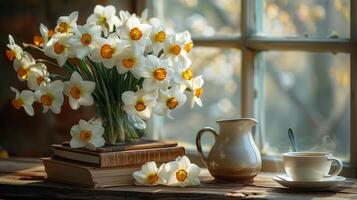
(24, 178)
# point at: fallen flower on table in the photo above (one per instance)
(150, 174)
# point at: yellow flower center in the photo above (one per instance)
(175, 49)
(140, 106)
(23, 72)
(10, 54)
(75, 92)
(172, 103)
(198, 92)
(106, 51)
(135, 34)
(17, 103)
(63, 27)
(46, 99)
(58, 48)
(128, 63)
(39, 80)
(160, 74)
(187, 74)
(102, 20)
(85, 135)
(181, 175)
(160, 36)
(152, 178)
(188, 46)
(38, 40)
(86, 39)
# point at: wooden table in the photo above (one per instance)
(24, 178)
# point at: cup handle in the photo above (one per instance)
(339, 167)
(198, 141)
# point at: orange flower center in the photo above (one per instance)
(39, 80)
(17, 103)
(23, 72)
(38, 40)
(128, 63)
(160, 36)
(160, 74)
(86, 39)
(58, 48)
(198, 92)
(152, 178)
(85, 135)
(46, 100)
(10, 54)
(175, 49)
(181, 175)
(188, 46)
(140, 106)
(187, 74)
(106, 51)
(50, 33)
(171, 103)
(135, 34)
(63, 28)
(75, 92)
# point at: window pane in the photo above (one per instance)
(200, 17)
(306, 18)
(221, 97)
(309, 92)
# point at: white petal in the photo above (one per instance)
(140, 177)
(29, 109)
(75, 130)
(77, 143)
(98, 141)
(129, 97)
(73, 103)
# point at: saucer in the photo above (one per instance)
(325, 183)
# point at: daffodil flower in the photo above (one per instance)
(50, 96)
(174, 51)
(105, 17)
(187, 41)
(182, 172)
(139, 103)
(135, 32)
(83, 39)
(66, 24)
(78, 91)
(24, 99)
(38, 76)
(150, 175)
(59, 48)
(156, 72)
(131, 59)
(124, 15)
(158, 35)
(169, 100)
(14, 51)
(23, 66)
(183, 77)
(197, 90)
(46, 34)
(89, 135)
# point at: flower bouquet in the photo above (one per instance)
(129, 67)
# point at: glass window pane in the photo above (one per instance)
(200, 17)
(221, 97)
(305, 18)
(309, 92)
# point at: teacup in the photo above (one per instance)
(310, 166)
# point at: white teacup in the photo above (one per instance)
(310, 166)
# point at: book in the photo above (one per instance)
(75, 173)
(119, 158)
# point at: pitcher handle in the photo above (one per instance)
(198, 140)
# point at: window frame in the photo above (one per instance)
(250, 45)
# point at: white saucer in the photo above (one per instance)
(325, 183)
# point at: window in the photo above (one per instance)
(287, 63)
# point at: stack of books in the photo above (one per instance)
(106, 166)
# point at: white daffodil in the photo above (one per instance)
(89, 135)
(106, 51)
(150, 175)
(131, 59)
(139, 103)
(66, 24)
(182, 172)
(50, 96)
(169, 100)
(174, 51)
(187, 41)
(156, 73)
(14, 51)
(38, 76)
(59, 48)
(183, 77)
(196, 90)
(46, 34)
(105, 17)
(24, 99)
(78, 91)
(157, 35)
(82, 40)
(135, 32)
(22, 66)
(124, 16)
(144, 16)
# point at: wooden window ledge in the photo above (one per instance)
(24, 178)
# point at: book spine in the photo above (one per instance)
(132, 158)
